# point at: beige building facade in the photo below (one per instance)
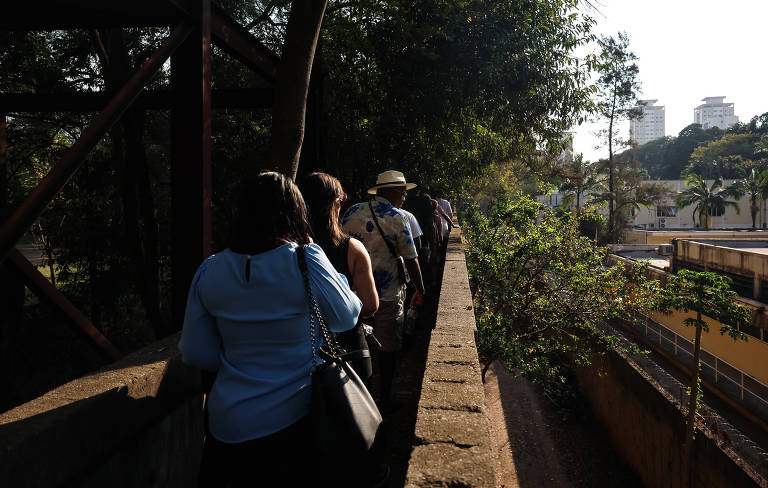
(665, 215)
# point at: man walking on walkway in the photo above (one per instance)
(384, 231)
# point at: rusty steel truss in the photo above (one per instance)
(195, 25)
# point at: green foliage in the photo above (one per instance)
(706, 199)
(617, 93)
(711, 153)
(630, 192)
(454, 91)
(724, 157)
(708, 294)
(666, 158)
(581, 180)
(755, 186)
(542, 289)
(449, 89)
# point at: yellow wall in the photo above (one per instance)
(665, 237)
(750, 357)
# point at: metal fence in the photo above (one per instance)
(731, 381)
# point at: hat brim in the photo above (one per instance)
(408, 186)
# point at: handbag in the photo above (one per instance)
(345, 418)
(402, 272)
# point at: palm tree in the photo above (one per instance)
(707, 199)
(753, 184)
(581, 179)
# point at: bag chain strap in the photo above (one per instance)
(314, 311)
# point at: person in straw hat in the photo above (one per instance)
(384, 231)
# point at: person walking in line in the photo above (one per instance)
(413, 223)
(445, 205)
(384, 231)
(446, 214)
(325, 197)
(420, 205)
(247, 319)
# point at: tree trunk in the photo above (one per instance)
(292, 84)
(692, 400)
(753, 209)
(312, 157)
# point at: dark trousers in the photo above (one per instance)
(284, 458)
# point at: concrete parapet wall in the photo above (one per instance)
(647, 427)
(137, 422)
(452, 443)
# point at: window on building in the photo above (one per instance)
(665, 211)
(714, 212)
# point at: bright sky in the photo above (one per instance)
(688, 50)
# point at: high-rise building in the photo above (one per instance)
(714, 113)
(648, 126)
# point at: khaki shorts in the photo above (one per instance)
(388, 323)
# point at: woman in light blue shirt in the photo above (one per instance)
(247, 318)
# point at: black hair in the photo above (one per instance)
(270, 210)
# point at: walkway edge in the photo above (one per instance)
(452, 440)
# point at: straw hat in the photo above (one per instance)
(390, 178)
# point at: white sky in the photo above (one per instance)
(689, 50)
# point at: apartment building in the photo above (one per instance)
(651, 125)
(714, 112)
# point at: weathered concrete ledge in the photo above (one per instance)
(452, 443)
(631, 398)
(137, 422)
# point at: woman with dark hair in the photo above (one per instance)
(325, 197)
(247, 319)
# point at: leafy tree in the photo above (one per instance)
(706, 198)
(753, 184)
(708, 295)
(541, 289)
(630, 192)
(441, 89)
(666, 158)
(721, 158)
(581, 179)
(617, 94)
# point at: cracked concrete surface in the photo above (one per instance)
(452, 443)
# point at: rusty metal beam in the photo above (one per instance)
(246, 98)
(235, 40)
(190, 159)
(73, 14)
(44, 290)
(13, 228)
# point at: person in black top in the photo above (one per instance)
(419, 203)
(325, 197)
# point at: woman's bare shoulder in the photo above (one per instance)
(356, 246)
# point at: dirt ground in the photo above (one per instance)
(537, 444)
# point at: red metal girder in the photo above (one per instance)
(71, 14)
(44, 290)
(235, 39)
(148, 100)
(190, 159)
(33, 205)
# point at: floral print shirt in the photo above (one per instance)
(358, 223)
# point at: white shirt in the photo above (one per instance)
(445, 205)
(413, 224)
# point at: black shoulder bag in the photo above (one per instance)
(345, 419)
(402, 272)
